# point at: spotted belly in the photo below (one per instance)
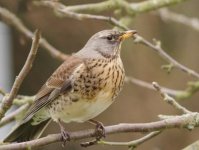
(94, 87)
(68, 110)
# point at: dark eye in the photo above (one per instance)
(110, 37)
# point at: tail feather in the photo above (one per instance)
(26, 131)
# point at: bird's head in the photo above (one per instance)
(106, 43)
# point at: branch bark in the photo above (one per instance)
(157, 48)
(147, 85)
(170, 100)
(8, 99)
(167, 15)
(61, 11)
(12, 19)
(130, 8)
(183, 121)
(12, 116)
(132, 144)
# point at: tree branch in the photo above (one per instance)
(61, 11)
(130, 8)
(170, 99)
(132, 144)
(192, 88)
(8, 99)
(157, 48)
(167, 15)
(150, 5)
(147, 85)
(12, 19)
(13, 115)
(183, 121)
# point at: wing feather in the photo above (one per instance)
(58, 83)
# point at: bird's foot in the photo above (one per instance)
(65, 137)
(99, 133)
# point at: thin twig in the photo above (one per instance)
(167, 15)
(170, 99)
(21, 100)
(191, 89)
(12, 19)
(157, 48)
(129, 8)
(8, 99)
(61, 11)
(150, 5)
(188, 121)
(132, 144)
(12, 116)
(147, 85)
(100, 7)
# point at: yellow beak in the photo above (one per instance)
(127, 34)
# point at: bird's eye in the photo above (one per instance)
(110, 37)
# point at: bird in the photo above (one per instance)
(81, 88)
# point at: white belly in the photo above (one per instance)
(82, 110)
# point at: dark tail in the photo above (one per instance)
(26, 131)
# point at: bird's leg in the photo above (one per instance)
(99, 129)
(99, 133)
(65, 135)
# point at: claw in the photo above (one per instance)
(99, 133)
(65, 135)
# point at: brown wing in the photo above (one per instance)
(58, 83)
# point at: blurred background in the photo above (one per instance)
(135, 104)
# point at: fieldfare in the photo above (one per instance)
(80, 89)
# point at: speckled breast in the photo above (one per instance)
(99, 75)
(94, 86)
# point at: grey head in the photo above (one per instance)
(105, 44)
